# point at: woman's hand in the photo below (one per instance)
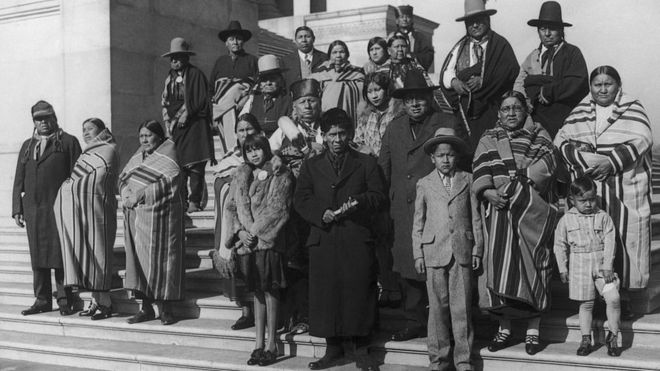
(563, 277)
(496, 198)
(130, 199)
(608, 275)
(247, 238)
(601, 170)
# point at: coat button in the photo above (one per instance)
(409, 176)
(409, 200)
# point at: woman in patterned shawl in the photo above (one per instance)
(608, 137)
(513, 167)
(86, 217)
(340, 81)
(150, 189)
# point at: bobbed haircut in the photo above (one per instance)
(256, 141)
(379, 78)
(582, 185)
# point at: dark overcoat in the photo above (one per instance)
(36, 185)
(342, 264)
(404, 162)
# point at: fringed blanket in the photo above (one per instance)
(340, 89)
(625, 141)
(521, 164)
(154, 231)
(86, 216)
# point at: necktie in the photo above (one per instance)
(308, 60)
(546, 60)
(478, 52)
(447, 183)
(268, 103)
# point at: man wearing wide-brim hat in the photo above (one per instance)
(45, 161)
(231, 78)
(269, 99)
(421, 47)
(404, 162)
(187, 115)
(554, 76)
(478, 70)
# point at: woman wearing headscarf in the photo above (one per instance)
(86, 217)
(608, 137)
(340, 81)
(514, 166)
(150, 189)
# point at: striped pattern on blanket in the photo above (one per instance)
(626, 143)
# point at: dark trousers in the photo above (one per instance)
(43, 288)
(414, 304)
(295, 306)
(194, 173)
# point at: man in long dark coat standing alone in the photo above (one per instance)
(44, 163)
(337, 192)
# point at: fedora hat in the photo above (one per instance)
(414, 82)
(179, 45)
(268, 64)
(549, 15)
(475, 8)
(446, 135)
(234, 28)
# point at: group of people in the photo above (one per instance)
(352, 187)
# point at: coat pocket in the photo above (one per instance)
(428, 239)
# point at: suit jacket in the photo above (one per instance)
(292, 65)
(404, 162)
(446, 224)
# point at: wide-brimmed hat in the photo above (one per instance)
(234, 28)
(268, 64)
(446, 135)
(42, 108)
(414, 82)
(305, 88)
(549, 15)
(179, 45)
(475, 8)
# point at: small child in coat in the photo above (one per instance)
(584, 247)
(447, 247)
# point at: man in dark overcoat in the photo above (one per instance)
(337, 193)
(305, 60)
(187, 115)
(404, 162)
(421, 47)
(44, 163)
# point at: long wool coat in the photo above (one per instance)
(404, 162)
(342, 263)
(86, 215)
(35, 188)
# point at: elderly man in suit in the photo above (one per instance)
(301, 63)
(447, 246)
(404, 162)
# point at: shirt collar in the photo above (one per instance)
(304, 55)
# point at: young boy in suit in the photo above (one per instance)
(447, 247)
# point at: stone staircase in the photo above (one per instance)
(202, 339)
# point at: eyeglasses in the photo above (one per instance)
(507, 109)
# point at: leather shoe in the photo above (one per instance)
(66, 310)
(268, 358)
(141, 316)
(104, 312)
(166, 318)
(499, 342)
(90, 311)
(408, 333)
(324, 362)
(255, 357)
(34, 309)
(532, 345)
(243, 323)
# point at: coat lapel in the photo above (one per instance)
(458, 184)
(350, 165)
(425, 134)
(437, 187)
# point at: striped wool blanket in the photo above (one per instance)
(517, 259)
(154, 230)
(340, 89)
(86, 216)
(625, 141)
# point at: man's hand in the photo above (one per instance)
(420, 267)
(476, 263)
(474, 83)
(563, 277)
(348, 207)
(328, 216)
(459, 86)
(496, 198)
(130, 200)
(19, 220)
(608, 275)
(600, 171)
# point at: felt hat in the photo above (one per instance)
(414, 82)
(549, 15)
(234, 28)
(404, 9)
(179, 45)
(446, 135)
(305, 88)
(268, 64)
(475, 8)
(42, 108)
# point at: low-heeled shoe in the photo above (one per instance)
(499, 342)
(268, 358)
(103, 313)
(141, 316)
(324, 362)
(166, 318)
(66, 310)
(408, 333)
(242, 323)
(34, 309)
(90, 311)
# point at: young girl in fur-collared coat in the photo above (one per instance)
(259, 206)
